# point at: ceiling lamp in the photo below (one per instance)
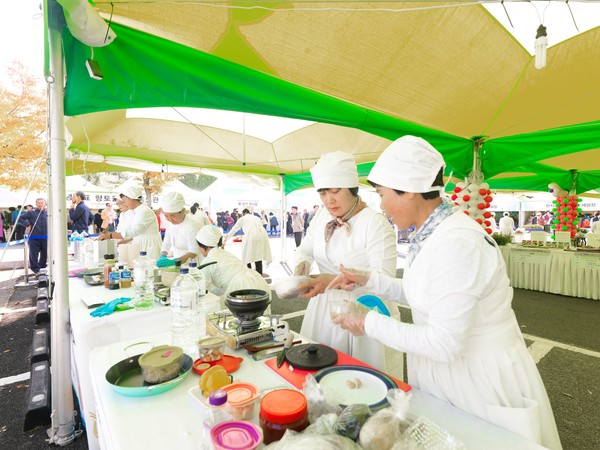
(541, 44)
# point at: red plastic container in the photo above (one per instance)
(280, 410)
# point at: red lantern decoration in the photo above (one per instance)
(481, 206)
(466, 198)
(488, 230)
(454, 197)
(482, 191)
(487, 223)
(487, 214)
(479, 221)
(457, 189)
(466, 212)
(488, 198)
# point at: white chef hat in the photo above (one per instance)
(408, 164)
(132, 191)
(335, 170)
(172, 202)
(209, 235)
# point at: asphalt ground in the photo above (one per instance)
(561, 333)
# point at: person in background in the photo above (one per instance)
(264, 218)
(198, 215)
(305, 215)
(273, 223)
(311, 215)
(255, 243)
(37, 222)
(345, 232)
(2, 232)
(141, 226)
(297, 225)
(108, 218)
(80, 213)
(506, 224)
(229, 273)
(98, 221)
(464, 346)
(180, 235)
(288, 224)
(19, 230)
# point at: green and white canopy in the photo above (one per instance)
(362, 74)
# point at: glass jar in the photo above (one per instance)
(281, 410)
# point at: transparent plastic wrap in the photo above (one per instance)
(382, 430)
(288, 288)
(323, 425)
(351, 420)
(316, 401)
(304, 441)
(424, 434)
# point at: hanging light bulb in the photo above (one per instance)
(541, 44)
(162, 172)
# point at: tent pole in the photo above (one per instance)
(62, 432)
(282, 227)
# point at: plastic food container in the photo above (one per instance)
(161, 363)
(281, 410)
(168, 275)
(211, 349)
(242, 399)
(234, 435)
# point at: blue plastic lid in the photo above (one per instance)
(192, 265)
(183, 270)
(375, 303)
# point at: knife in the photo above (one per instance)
(289, 341)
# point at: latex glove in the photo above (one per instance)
(109, 307)
(163, 261)
(315, 286)
(349, 278)
(352, 318)
(302, 269)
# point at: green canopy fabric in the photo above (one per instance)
(452, 75)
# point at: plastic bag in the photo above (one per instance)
(296, 441)
(385, 427)
(351, 420)
(323, 425)
(288, 288)
(315, 398)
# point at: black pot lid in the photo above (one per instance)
(311, 356)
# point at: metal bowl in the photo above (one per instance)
(95, 279)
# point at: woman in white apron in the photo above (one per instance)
(465, 346)
(142, 225)
(255, 243)
(180, 235)
(229, 273)
(344, 233)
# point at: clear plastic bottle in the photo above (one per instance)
(88, 252)
(185, 320)
(76, 246)
(200, 296)
(217, 412)
(143, 282)
(114, 279)
(125, 275)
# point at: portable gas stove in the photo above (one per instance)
(239, 333)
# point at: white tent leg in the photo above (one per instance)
(63, 426)
(282, 227)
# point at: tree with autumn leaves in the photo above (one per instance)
(23, 140)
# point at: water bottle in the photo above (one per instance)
(143, 282)
(199, 277)
(217, 412)
(88, 252)
(72, 244)
(76, 245)
(125, 275)
(114, 279)
(79, 248)
(200, 295)
(185, 321)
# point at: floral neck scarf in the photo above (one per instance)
(416, 238)
(338, 222)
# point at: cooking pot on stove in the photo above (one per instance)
(247, 305)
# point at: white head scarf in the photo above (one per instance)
(409, 164)
(172, 202)
(132, 191)
(335, 170)
(209, 235)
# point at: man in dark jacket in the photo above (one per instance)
(80, 213)
(37, 222)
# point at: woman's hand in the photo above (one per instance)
(349, 278)
(104, 235)
(353, 318)
(316, 286)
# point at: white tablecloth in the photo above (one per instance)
(171, 419)
(89, 332)
(576, 274)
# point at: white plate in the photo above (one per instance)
(372, 390)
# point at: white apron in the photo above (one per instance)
(465, 346)
(371, 244)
